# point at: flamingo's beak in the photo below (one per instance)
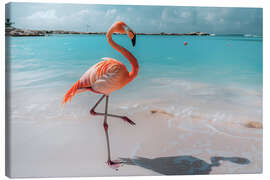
(133, 40)
(131, 35)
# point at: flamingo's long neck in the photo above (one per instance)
(133, 61)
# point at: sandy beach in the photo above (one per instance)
(161, 143)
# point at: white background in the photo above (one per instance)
(221, 3)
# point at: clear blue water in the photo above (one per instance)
(221, 60)
(225, 70)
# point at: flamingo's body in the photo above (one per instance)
(108, 76)
(102, 78)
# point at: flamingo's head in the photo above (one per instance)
(122, 28)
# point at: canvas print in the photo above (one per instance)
(124, 90)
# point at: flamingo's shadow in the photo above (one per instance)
(181, 165)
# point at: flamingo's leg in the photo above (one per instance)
(93, 112)
(125, 118)
(113, 164)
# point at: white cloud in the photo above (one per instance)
(129, 9)
(185, 14)
(122, 18)
(49, 14)
(175, 16)
(166, 19)
(111, 12)
(49, 19)
(83, 12)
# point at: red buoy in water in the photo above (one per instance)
(185, 43)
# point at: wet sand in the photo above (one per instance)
(160, 144)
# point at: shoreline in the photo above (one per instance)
(16, 32)
(26, 32)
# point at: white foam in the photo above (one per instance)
(136, 149)
(227, 134)
(123, 107)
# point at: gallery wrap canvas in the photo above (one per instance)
(125, 90)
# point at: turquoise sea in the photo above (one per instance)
(54, 63)
(221, 69)
(220, 60)
(210, 88)
(211, 76)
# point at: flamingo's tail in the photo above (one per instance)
(71, 92)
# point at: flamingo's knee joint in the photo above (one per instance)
(125, 118)
(92, 112)
(105, 125)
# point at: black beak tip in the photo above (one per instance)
(133, 40)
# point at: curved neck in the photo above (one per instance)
(133, 61)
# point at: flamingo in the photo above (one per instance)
(106, 77)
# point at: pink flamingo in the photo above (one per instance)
(106, 77)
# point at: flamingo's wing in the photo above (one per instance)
(103, 77)
(94, 73)
(102, 67)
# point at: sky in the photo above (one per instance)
(146, 19)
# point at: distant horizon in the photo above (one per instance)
(136, 32)
(142, 19)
